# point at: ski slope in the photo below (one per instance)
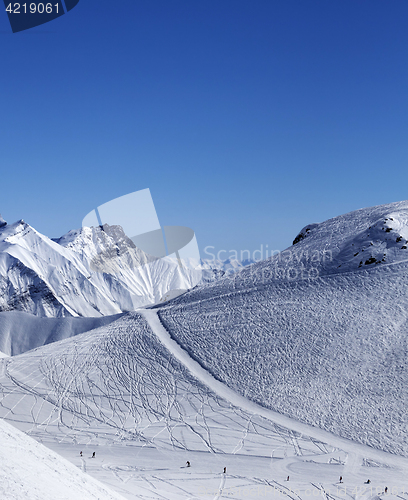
(295, 366)
(133, 395)
(328, 348)
(30, 470)
(228, 394)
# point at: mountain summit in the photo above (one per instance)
(89, 272)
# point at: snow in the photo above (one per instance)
(295, 366)
(327, 348)
(89, 272)
(132, 394)
(229, 395)
(213, 269)
(21, 332)
(30, 470)
(172, 294)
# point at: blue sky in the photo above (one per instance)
(247, 120)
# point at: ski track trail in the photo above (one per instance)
(355, 451)
(221, 487)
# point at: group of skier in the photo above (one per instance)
(188, 464)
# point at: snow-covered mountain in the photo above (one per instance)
(296, 365)
(89, 272)
(364, 238)
(319, 332)
(214, 269)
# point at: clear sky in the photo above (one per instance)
(246, 119)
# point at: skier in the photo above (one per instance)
(341, 479)
(80, 453)
(287, 479)
(386, 489)
(225, 470)
(368, 481)
(93, 455)
(188, 463)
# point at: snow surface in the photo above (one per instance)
(30, 470)
(295, 366)
(130, 393)
(330, 349)
(20, 332)
(90, 272)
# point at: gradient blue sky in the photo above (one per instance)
(246, 119)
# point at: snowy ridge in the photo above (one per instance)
(89, 272)
(365, 237)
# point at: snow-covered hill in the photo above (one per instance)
(312, 333)
(120, 391)
(129, 392)
(365, 238)
(297, 364)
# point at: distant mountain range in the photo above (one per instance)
(89, 272)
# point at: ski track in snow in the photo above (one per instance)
(130, 392)
(223, 391)
(314, 350)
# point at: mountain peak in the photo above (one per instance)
(362, 238)
(2, 222)
(304, 232)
